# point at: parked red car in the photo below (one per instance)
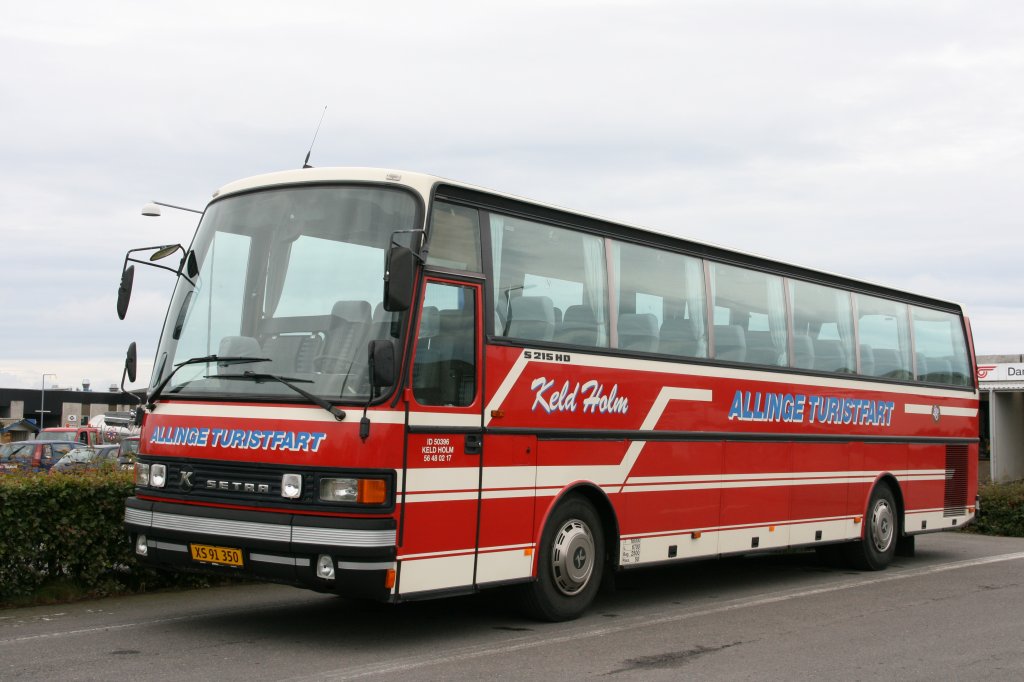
(85, 435)
(33, 455)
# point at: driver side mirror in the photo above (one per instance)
(399, 272)
(124, 292)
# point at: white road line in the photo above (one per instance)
(546, 639)
(141, 623)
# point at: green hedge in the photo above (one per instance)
(67, 530)
(1002, 509)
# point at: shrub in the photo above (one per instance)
(67, 531)
(1002, 509)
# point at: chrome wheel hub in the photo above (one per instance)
(882, 525)
(572, 557)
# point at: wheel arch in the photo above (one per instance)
(888, 479)
(598, 499)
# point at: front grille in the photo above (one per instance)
(233, 481)
(955, 494)
(258, 485)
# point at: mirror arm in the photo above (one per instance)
(179, 271)
(422, 245)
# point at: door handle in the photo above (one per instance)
(474, 443)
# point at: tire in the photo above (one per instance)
(877, 547)
(570, 563)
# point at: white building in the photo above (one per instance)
(1001, 382)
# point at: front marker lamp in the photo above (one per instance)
(291, 486)
(325, 567)
(141, 545)
(157, 475)
(141, 474)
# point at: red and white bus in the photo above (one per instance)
(390, 385)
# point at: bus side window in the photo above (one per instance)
(550, 283)
(882, 325)
(454, 237)
(940, 348)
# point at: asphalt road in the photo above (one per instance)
(952, 612)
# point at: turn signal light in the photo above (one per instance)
(372, 491)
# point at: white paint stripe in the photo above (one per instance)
(411, 498)
(432, 480)
(465, 421)
(774, 483)
(506, 386)
(586, 630)
(740, 526)
(503, 548)
(698, 478)
(312, 414)
(944, 410)
(284, 413)
(435, 555)
(459, 483)
(460, 552)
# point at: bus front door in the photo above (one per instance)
(441, 501)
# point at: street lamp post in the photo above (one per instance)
(42, 399)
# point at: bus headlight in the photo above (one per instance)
(141, 474)
(291, 486)
(354, 490)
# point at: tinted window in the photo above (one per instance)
(548, 280)
(940, 349)
(661, 304)
(454, 237)
(749, 316)
(884, 336)
(444, 372)
(823, 337)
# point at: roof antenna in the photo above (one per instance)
(305, 164)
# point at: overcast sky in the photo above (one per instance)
(881, 140)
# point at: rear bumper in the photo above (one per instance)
(279, 547)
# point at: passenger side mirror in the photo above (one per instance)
(191, 266)
(399, 272)
(124, 291)
(382, 360)
(131, 362)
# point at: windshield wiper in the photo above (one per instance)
(226, 360)
(260, 377)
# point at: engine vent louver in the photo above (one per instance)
(955, 494)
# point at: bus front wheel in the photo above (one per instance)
(877, 545)
(570, 563)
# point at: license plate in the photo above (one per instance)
(229, 556)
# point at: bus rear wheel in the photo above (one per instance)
(877, 546)
(570, 563)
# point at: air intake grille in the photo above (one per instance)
(955, 497)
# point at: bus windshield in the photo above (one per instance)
(290, 277)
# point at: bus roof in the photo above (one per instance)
(426, 184)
